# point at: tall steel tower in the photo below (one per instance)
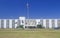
(27, 5)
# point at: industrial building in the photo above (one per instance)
(13, 23)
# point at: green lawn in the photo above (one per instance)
(34, 33)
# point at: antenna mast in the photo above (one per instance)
(27, 10)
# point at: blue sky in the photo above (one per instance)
(37, 8)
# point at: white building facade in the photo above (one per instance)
(13, 23)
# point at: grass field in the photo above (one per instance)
(31, 33)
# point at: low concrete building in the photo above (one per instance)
(13, 23)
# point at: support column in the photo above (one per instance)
(44, 23)
(56, 23)
(16, 23)
(4, 23)
(10, 23)
(50, 23)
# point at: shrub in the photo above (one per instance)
(39, 26)
(20, 26)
